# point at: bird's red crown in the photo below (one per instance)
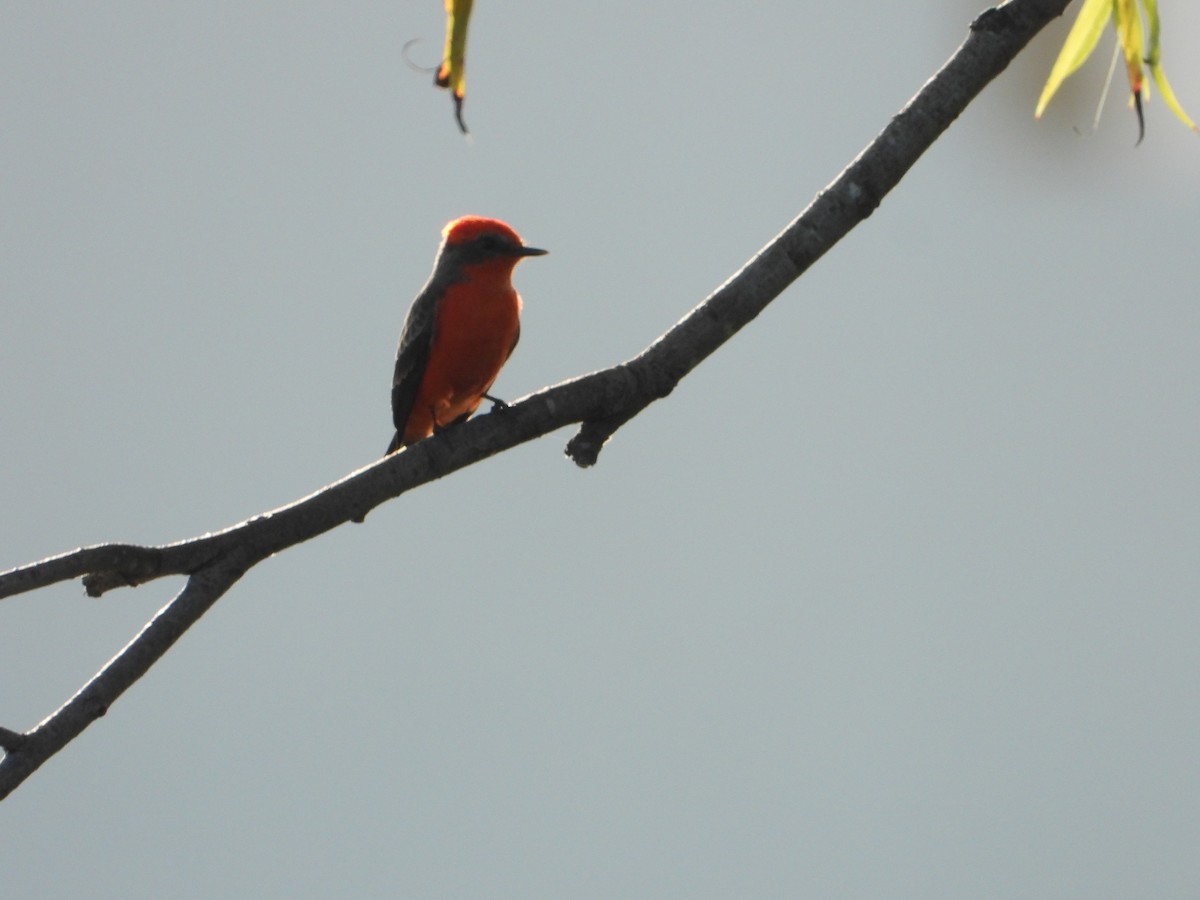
(468, 228)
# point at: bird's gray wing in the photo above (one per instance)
(412, 354)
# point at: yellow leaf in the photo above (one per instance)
(1079, 44)
(452, 72)
(1151, 7)
(1164, 88)
(1129, 33)
(1135, 47)
(1156, 69)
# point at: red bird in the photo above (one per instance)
(459, 331)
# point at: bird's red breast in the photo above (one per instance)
(460, 330)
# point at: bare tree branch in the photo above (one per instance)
(23, 757)
(600, 402)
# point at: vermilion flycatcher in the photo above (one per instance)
(459, 331)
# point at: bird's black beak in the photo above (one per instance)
(531, 251)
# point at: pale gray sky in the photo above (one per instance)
(896, 596)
